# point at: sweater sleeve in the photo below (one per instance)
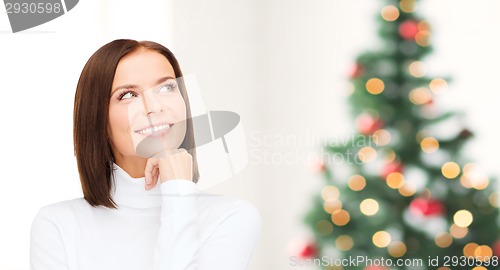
(229, 246)
(178, 236)
(47, 250)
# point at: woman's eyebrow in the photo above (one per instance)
(129, 86)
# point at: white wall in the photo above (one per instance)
(280, 64)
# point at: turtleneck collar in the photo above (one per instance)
(130, 192)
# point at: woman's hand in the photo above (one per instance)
(168, 165)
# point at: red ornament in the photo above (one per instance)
(308, 251)
(426, 207)
(356, 70)
(390, 168)
(496, 248)
(408, 29)
(367, 124)
(317, 166)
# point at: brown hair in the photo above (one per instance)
(90, 118)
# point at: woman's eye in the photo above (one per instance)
(167, 88)
(127, 95)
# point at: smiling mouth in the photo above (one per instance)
(162, 128)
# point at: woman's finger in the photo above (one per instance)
(149, 172)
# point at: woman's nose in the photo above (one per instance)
(151, 103)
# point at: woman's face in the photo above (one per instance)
(146, 111)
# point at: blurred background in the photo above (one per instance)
(284, 66)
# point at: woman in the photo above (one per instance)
(136, 157)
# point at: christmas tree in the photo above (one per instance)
(404, 192)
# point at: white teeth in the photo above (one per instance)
(150, 130)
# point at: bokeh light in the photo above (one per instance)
(417, 69)
(420, 96)
(458, 232)
(407, 6)
(330, 193)
(390, 13)
(463, 218)
(469, 249)
(382, 137)
(494, 199)
(408, 189)
(429, 145)
(324, 227)
(483, 253)
(443, 240)
(356, 182)
(340, 217)
(395, 180)
(450, 170)
(344, 242)
(397, 249)
(438, 86)
(390, 156)
(422, 38)
(331, 206)
(369, 207)
(381, 239)
(375, 86)
(367, 154)
(474, 177)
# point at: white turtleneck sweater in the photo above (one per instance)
(174, 226)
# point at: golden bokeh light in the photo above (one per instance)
(438, 86)
(382, 137)
(390, 156)
(417, 69)
(324, 227)
(375, 86)
(422, 38)
(397, 249)
(381, 239)
(443, 240)
(429, 145)
(464, 181)
(369, 207)
(423, 25)
(332, 205)
(494, 199)
(479, 268)
(356, 182)
(474, 177)
(408, 189)
(344, 242)
(330, 193)
(367, 154)
(483, 253)
(420, 96)
(407, 6)
(395, 180)
(340, 217)
(450, 170)
(458, 232)
(469, 249)
(390, 13)
(463, 218)
(480, 182)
